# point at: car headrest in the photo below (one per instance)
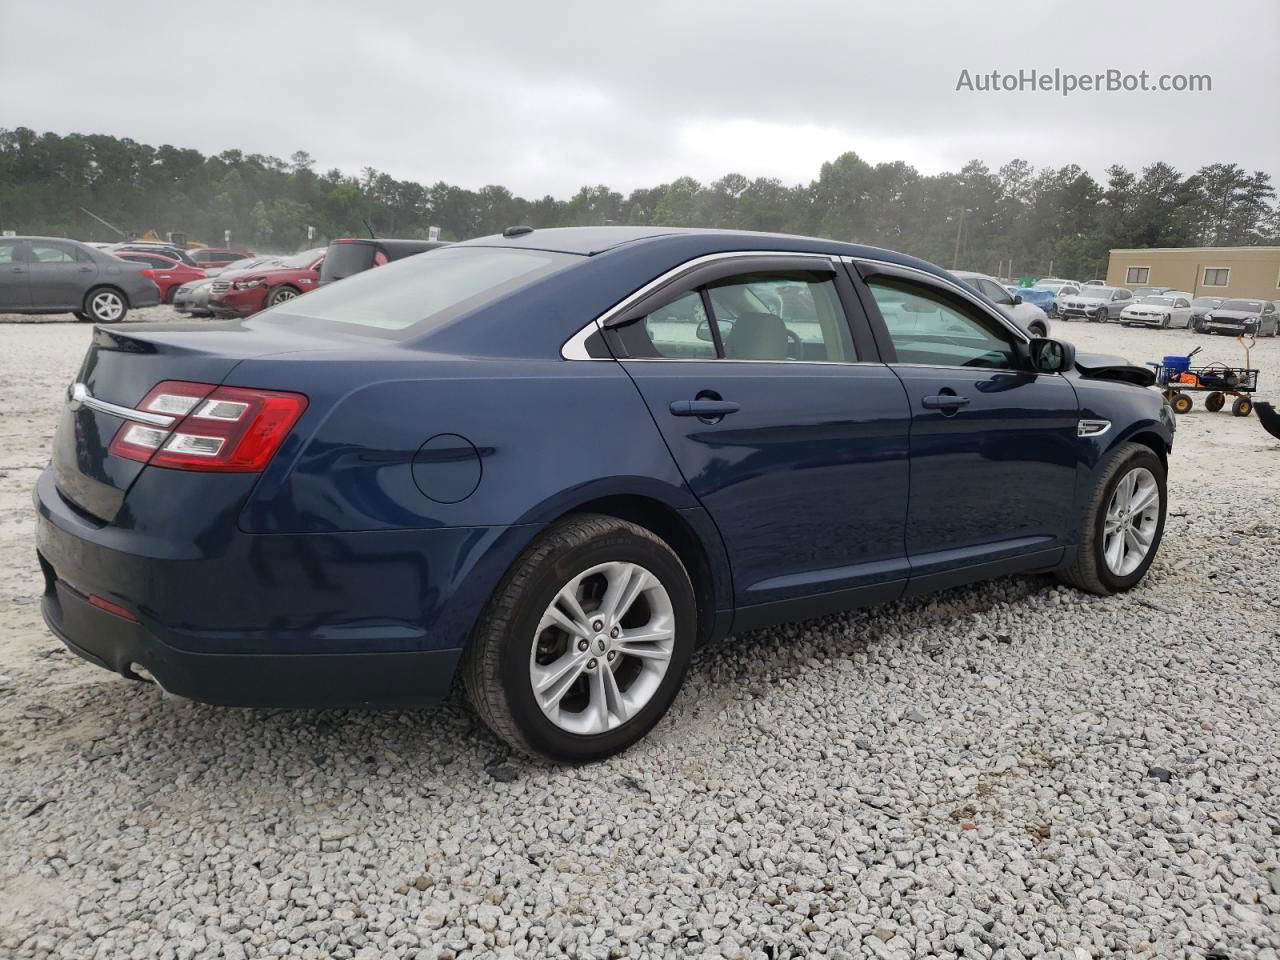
(757, 336)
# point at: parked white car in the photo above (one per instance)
(1026, 315)
(1161, 310)
(1095, 303)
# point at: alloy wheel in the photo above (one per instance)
(1131, 521)
(602, 647)
(107, 306)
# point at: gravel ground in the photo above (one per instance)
(1008, 770)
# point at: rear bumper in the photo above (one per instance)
(246, 680)
(374, 618)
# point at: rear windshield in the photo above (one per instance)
(344, 259)
(421, 293)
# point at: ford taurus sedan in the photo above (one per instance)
(549, 464)
(53, 275)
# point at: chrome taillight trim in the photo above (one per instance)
(80, 396)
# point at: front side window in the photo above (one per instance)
(8, 251)
(768, 316)
(1137, 275)
(929, 327)
(1216, 276)
(52, 253)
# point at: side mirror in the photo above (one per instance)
(704, 332)
(1051, 356)
(1017, 299)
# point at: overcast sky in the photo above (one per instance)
(546, 96)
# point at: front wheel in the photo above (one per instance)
(1038, 330)
(105, 305)
(585, 643)
(1164, 322)
(281, 294)
(1123, 524)
(1242, 407)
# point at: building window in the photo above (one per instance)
(1137, 275)
(1217, 276)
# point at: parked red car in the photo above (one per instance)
(167, 273)
(219, 256)
(245, 292)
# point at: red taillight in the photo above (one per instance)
(228, 429)
(149, 273)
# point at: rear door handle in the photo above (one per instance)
(703, 408)
(945, 401)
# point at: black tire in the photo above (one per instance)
(1181, 403)
(1038, 330)
(282, 293)
(1242, 407)
(496, 664)
(1214, 401)
(96, 305)
(1088, 570)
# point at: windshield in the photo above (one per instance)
(1098, 293)
(1244, 306)
(424, 292)
(1206, 301)
(1158, 301)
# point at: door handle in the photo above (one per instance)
(945, 401)
(86, 269)
(703, 408)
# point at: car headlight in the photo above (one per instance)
(248, 284)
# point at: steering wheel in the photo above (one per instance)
(795, 347)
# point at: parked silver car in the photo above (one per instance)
(1028, 316)
(53, 275)
(1096, 303)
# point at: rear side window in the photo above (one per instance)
(8, 251)
(52, 253)
(772, 316)
(417, 294)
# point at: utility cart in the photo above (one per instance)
(1178, 379)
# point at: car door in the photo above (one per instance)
(59, 275)
(15, 292)
(994, 446)
(784, 423)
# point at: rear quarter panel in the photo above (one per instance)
(548, 434)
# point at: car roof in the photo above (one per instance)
(690, 242)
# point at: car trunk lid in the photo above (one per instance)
(122, 365)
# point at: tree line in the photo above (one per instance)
(1016, 219)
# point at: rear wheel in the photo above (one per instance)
(1123, 524)
(1181, 403)
(1214, 401)
(105, 305)
(585, 643)
(1242, 407)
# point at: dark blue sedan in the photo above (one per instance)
(551, 463)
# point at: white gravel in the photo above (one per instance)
(1010, 770)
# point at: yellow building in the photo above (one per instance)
(1203, 271)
